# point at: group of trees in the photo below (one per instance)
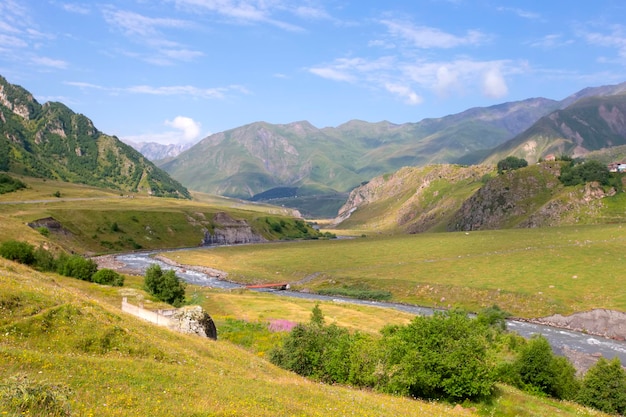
(573, 172)
(446, 356)
(74, 266)
(163, 285)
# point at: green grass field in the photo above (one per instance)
(528, 272)
(72, 334)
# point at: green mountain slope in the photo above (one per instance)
(51, 141)
(589, 124)
(455, 198)
(252, 159)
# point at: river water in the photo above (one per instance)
(558, 338)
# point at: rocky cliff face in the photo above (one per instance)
(228, 231)
(529, 197)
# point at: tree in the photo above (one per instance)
(21, 252)
(585, 172)
(604, 387)
(165, 286)
(511, 163)
(541, 371)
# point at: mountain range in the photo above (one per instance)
(51, 141)
(296, 162)
(299, 165)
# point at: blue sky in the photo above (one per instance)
(178, 70)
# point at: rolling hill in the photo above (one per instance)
(51, 141)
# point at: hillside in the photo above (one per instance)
(51, 141)
(157, 152)
(66, 339)
(454, 198)
(252, 159)
(90, 220)
(293, 164)
(590, 124)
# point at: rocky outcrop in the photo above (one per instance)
(194, 320)
(599, 322)
(187, 320)
(228, 231)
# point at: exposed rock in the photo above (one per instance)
(51, 224)
(194, 320)
(600, 322)
(228, 231)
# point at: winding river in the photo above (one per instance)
(558, 338)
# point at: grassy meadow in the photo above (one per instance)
(72, 337)
(528, 272)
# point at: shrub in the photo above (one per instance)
(20, 395)
(77, 267)
(316, 350)
(44, 260)
(540, 371)
(604, 387)
(44, 231)
(165, 286)
(9, 184)
(442, 356)
(108, 277)
(21, 252)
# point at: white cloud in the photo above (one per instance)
(189, 127)
(405, 92)
(76, 8)
(494, 85)
(520, 12)
(149, 32)
(186, 130)
(175, 90)
(250, 11)
(425, 37)
(49, 62)
(332, 74)
(551, 41)
(615, 38)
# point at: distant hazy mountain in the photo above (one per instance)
(52, 141)
(589, 124)
(252, 159)
(156, 152)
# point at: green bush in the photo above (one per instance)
(9, 184)
(165, 286)
(108, 277)
(510, 163)
(538, 370)
(21, 252)
(604, 387)
(316, 351)
(442, 356)
(44, 260)
(77, 267)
